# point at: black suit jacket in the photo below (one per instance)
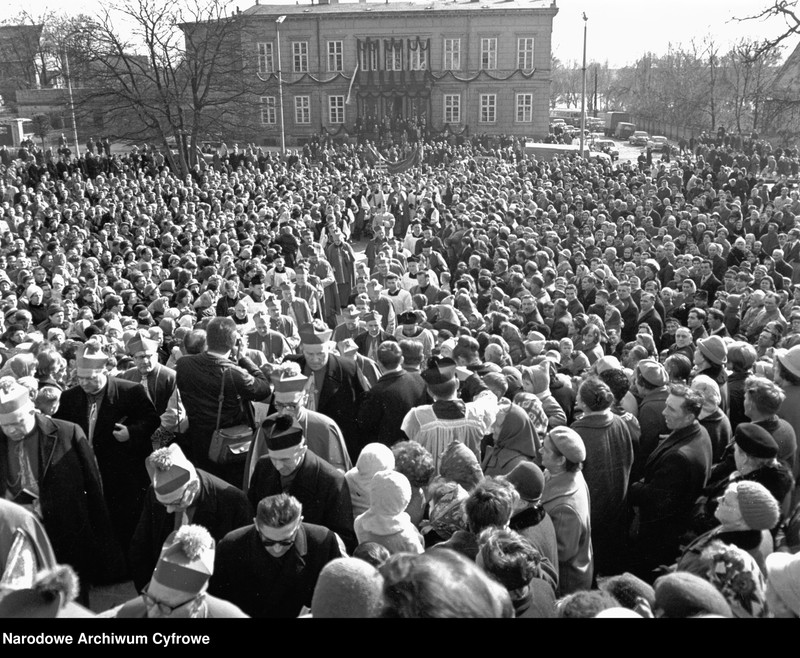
(219, 508)
(674, 477)
(711, 285)
(267, 587)
(160, 388)
(387, 403)
(340, 399)
(199, 378)
(361, 340)
(121, 464)
(321, 489)
(71, 496)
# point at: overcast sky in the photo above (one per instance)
(619, 31)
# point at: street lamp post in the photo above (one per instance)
(583, 85)
(71, 104)
(278, 22)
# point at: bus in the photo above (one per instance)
(571, 116)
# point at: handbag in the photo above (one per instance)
(229, 445)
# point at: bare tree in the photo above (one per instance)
(787, 10)
(177, 81)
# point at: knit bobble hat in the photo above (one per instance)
(682, 594)
(348, 588)
(758, 507)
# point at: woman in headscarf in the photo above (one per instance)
(374, 457)
(514, 440)
(386, 522)
(711, 417)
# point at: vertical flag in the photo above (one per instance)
(352, 80)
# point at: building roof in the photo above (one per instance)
(398, 7)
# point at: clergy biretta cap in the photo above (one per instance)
(187, 560)
(281, 432)
(314, 334)
(169, 471)
(288, 383)
(89, 362)
(13, 397)
(140, 344)
(439, 370)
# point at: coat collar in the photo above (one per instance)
(676, 438)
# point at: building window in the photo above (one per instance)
(488, 108)
(417, 59)
(268, 110)
(488, 54)
(524, 108)
(300, 56)
(452, 54)
(368, 57)
(452, 108)
(302, 109)
(525, 53)
(335, 56)
(335, 109)
(266, 58)
(394, 57)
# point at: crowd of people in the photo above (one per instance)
(561, 388)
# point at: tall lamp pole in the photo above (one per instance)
(278, 22)
(583, 85)
(71, 104)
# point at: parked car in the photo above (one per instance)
(656, 142)
(639, 138)
(607, 146)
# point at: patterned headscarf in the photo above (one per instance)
(735, 573)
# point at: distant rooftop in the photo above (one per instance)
(382, 7)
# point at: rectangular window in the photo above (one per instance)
(524, 108)
(394, 57)
(452, 54)
(525, 53)
(268, 110)
(266, 58)
(369, 56)
(488, 108)
(417, 59)
(488, 54)
(452, 108)
(300, 56)
(335, 56)
(302, 109)
(335, 109)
